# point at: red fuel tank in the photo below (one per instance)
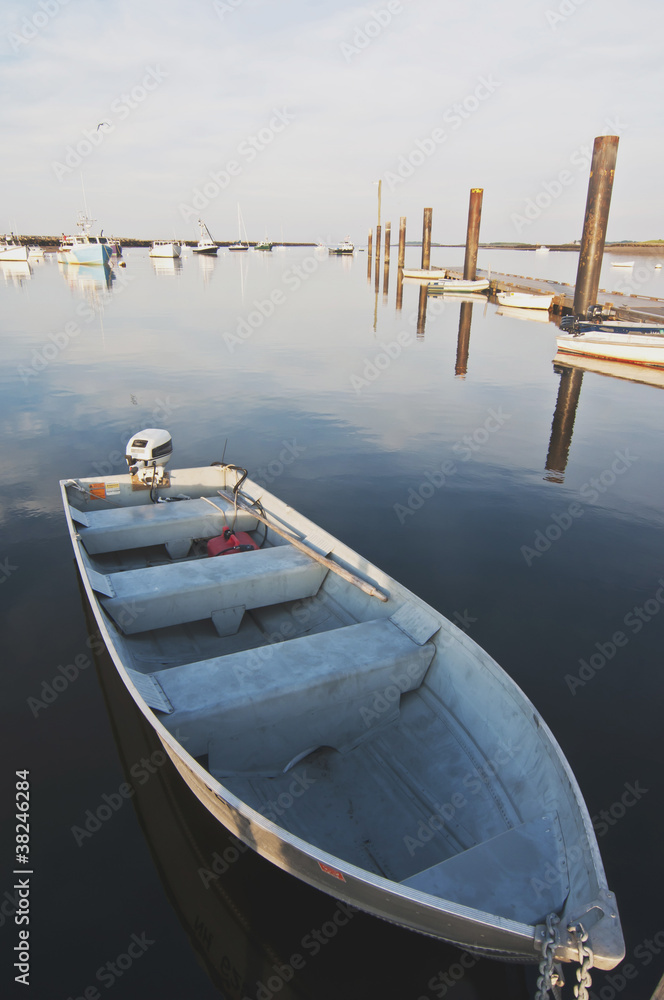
(230, 541)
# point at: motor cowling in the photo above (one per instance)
(148, 452)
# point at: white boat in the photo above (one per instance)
(622, 263)
(458, 285)
(331, 720)
(346, 247)
(541, 249)
(12, 251)
(524, 300)
(614, 340)
(166, 248)
(82, 248)
(206, 244)
(240, 244)
(426, 274)
(35, 252)
(264, 245)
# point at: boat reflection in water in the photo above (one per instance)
(15, 272)
(259, 932)
(93, 284)
(170, 266)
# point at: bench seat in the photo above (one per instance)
(172, 524)
(220, 588)
(256, 711)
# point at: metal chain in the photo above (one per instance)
(544, 982)
(586, 959)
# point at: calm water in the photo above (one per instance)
(432, 448)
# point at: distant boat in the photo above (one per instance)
(83, 248)
(264, 245)
(242, 244)
(239, 246)
(541, 249)
(346, 247)
(458, 285)
(166, 248)
(35, 252)
(614, 340)
(524, 300)
(425, 274)
(622, 263)
(11, 250)
(206, 244)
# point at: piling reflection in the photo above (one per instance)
(463, 340)
(257, 931)
(562, 426)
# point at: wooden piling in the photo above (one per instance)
(377, 250)
(399, 302)
(600, 185)
(426, 238)
(388, 237)
(369, 250)
(473, 234)
(402, 242)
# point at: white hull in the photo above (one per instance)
(383, 692)
(13, 252)
(458, 285)
(425, 275)
(163, 249)
(622, 263)
(523, 300)
(637, 349)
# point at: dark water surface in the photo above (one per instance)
(427, 452)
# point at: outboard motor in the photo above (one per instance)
(148, 452)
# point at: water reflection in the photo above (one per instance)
(169, 266)
(90, 283)
(562, 426)
(256, 930)
(15, 272)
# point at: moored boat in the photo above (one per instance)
(276, 665)
(346, 247)
(82, 248)
(426, 274)
(524, 300)
(206, 244)
(622, 263)
(165, 248)
(13, 251)
(458, 285)
(614, 340)
(264, 245)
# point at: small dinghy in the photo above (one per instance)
(462, 285)
(613, 340)
(334, 722)
(525, 300)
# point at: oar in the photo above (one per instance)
(334, 567)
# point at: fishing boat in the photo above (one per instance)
(346, 247)
(426, 274)
(166, 248)
(335, 723)
(542, 249)
(35, 252)
(524, 300)
(13, 251)
(82, 248)
(206, 244)
(264, 245)
(614, 340)
(458, 285)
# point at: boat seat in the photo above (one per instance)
(509, 875)
(172, 524)
(220, 588)
(256, 711)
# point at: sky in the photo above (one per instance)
(278, 118)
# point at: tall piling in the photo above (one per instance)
(377, 249)
(369, 251)
(402, 242)
(386, 258)
(600, 185)
(426, 237)
(473, 233)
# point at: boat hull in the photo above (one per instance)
(86, 253)
(495, 747)
(522, 300)
(208, 251)
(171, 250)
(14, 253)
(458, 285)
(425, 274)
(636, 349)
